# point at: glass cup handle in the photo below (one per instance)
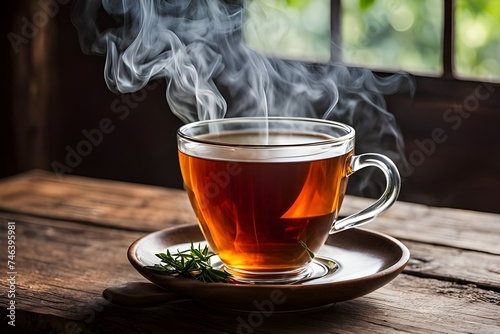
(393, 185)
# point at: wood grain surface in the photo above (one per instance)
(72, 237)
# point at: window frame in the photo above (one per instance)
(426, 85)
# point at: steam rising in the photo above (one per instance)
(198, 48)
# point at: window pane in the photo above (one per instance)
(477, 39)
(393, 35)
(291, 29)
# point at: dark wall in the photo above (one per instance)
(88, 130)
(452, 143)
(8, 164)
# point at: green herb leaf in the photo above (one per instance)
(310, 252)
(191, 263)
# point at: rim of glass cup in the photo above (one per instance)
(350, 132)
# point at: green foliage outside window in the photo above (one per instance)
(290, 29)
(477, 39)
(380, 34)
(393, 34)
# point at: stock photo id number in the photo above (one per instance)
(11, 273)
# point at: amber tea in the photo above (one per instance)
(254, 214)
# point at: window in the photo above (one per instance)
(477, 42)
(296, 29)
(437, 38)
(394, 35)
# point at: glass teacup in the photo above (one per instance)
(267, 191)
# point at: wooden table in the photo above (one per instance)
(71, 238)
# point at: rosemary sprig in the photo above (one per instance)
(310, 252)
(191, 263)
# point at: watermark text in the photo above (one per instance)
(11, 273)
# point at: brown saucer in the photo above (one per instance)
(368, 260)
